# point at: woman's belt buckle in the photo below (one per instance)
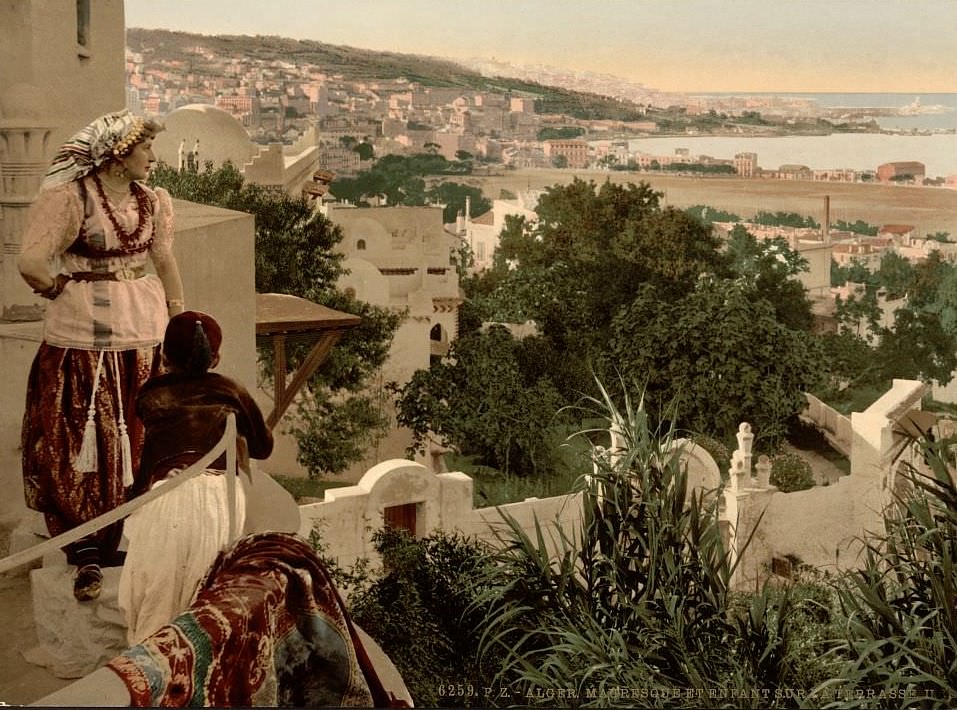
(126, 274)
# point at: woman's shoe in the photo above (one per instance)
(87, 583)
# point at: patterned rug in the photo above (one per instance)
(268, 628)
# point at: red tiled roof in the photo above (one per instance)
(897, 228)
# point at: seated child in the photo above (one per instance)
(174, 539)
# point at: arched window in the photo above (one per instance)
(350, 292)
(361, 245)
(436, 333)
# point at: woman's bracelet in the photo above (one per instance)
(175, 303)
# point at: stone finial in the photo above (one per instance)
(763, 469)
(739, 472)
(745, 445)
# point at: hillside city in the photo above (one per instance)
(709, 418)
(277, 100)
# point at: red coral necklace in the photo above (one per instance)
(142, 210)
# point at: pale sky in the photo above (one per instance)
(897, 46)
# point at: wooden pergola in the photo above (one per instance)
(279, 317)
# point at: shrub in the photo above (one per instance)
(419, 610)
(790, 472)
(719, 452)
(638, 598)
(900, 642)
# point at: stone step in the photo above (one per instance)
(75, 638)
(31, 531)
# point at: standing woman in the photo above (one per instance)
(89, 235)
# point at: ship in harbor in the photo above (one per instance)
(915, 108)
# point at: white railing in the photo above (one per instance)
(227, 445)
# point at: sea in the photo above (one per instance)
(935, 113)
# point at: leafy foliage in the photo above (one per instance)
(784, 219)
(790, 472)
(922, 341)
(918, 347)
(420, 610)
(639, 598)
(901, 632)
(581, 261)
(489, 398)
(770, 266)
(562, 132)
(709, 215)
(455, 196)
(401, 179)
(734, 361)
(858, 227)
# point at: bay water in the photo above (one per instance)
(858, 151)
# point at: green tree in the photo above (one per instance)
(718, 357)
(858, 227)
(860, 314)
(401, 179)
(454, 196)
(581, 261)
(784, 219)
(482, 401)
(562, 133)
(896, 275)
(851, 364)
(944, 303)
(710, 215)
(770, 267)
(365, 150)
(295, 254)
(917, 347)
(855, 272)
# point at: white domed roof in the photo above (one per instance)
(221, 136)
(365, 280)
(366, 228)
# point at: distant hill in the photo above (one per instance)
(355, 64)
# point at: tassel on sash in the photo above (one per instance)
(126, 454)
(86, 460)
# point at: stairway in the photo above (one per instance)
(74, 638)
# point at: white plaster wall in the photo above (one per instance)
(215, 249)
(824, 525)
(348, 516)
(38, 46)
(817, 279)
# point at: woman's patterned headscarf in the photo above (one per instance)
(107, 137)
